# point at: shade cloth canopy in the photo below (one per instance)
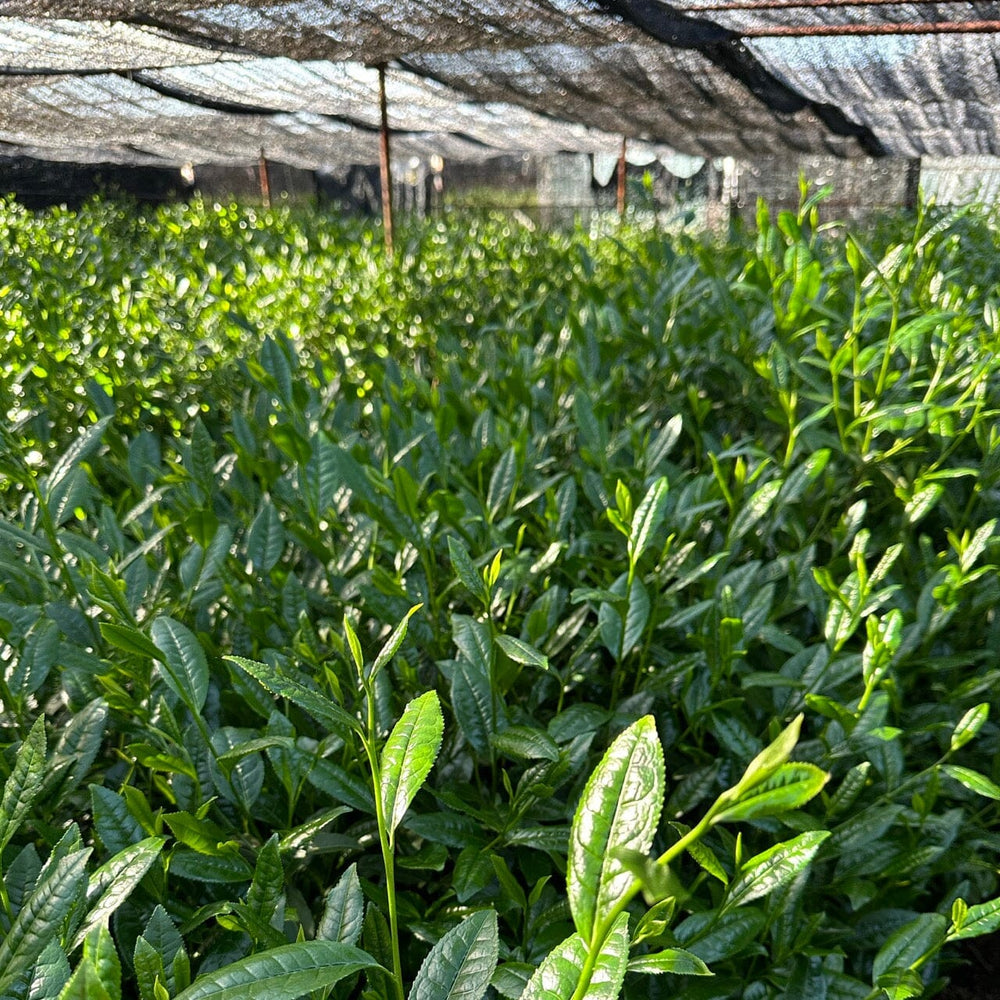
(174, 81)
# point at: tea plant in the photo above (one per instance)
(719, 485)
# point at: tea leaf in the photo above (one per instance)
(774, 867)
(392, 644)
(674, 960)
(409, 755)
(983, 918)
(285, 685)
(466, 571)
(284, 973)
(266, 539)
(526, 744)
(771, 757)
(973, 780)
(343, 914)
(185, 668)
(619, 809)
(647, 518)
(57, 892)
(559, 975)
(911, 943)
(462, 963)
(24, 783)
(112, 883)
(969, 725)
(522, 652)
(787, 788)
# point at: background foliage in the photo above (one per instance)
(623, 474)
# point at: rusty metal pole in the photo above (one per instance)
(265, 179)
(385, 173)
(752, 5)
(621, 179)
(844, 30)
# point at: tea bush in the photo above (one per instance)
(530, 618)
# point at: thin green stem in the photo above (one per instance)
(385, 841)
(602, 928)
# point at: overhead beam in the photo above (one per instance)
(713, 6)
(844, 30)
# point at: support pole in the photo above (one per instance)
(385, 174)
(912, 195)
(265, 179)
(621, 180)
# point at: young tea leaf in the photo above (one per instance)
(648, 517)
(774, 867)
(673, 960)
(973, 780)
(770, 758)
(787, 788)
(969, 725)
(984, 918)
(409, 755)
(392, 644)
(559, 975)
(619, 809)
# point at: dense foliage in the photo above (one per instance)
(598, 602)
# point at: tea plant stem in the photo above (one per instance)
(385, 842)
(602, 928)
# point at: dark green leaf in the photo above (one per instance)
(284, 973)
(185, 668)
(466, 571)
(343, 914)
(526, 744)
(915, 941)
(24, 783)
(461, 964)
(59, 889)
(285, 685)
(522, 652)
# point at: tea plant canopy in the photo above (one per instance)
(172, 81)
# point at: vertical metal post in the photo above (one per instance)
(265, 179)
(912, 192)
(385, 173)
(621, 180)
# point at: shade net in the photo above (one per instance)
(174, 81)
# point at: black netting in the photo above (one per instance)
(153, 81)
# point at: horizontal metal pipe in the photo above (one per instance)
(840, 30)
(751, 5)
